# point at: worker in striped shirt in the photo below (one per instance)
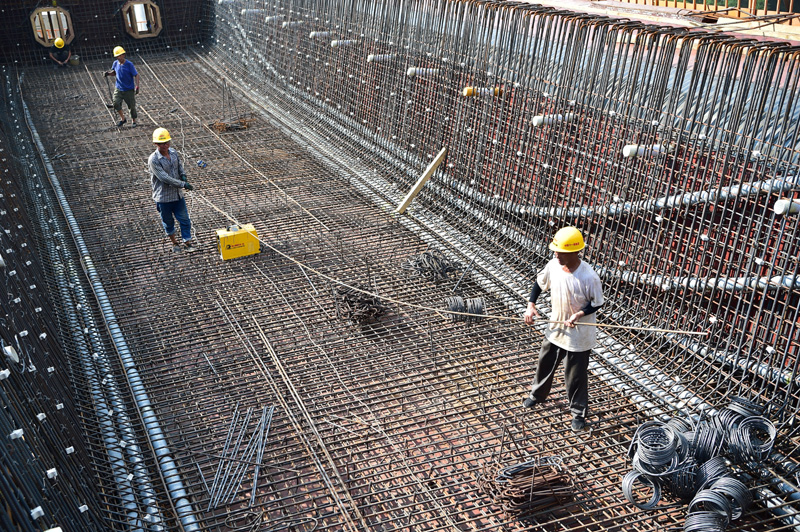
(169, 181)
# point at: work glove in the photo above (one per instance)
(136, 91)
(105, 74)
(188, 186)
(183, 178)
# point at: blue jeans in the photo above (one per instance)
(177, 209)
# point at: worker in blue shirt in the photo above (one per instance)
(126, 87)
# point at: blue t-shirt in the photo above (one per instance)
(125, 73)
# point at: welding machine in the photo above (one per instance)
(236, 241)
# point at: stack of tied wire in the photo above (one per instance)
(358, 304)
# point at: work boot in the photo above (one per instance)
(121, 122)
(578, 424)
(531, 402)
(190, 246)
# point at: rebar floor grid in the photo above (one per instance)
(377, 426)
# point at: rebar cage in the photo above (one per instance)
(238, 395)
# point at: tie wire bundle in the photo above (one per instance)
(431, 265)
(357, 305)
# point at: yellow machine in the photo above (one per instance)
(237, 241)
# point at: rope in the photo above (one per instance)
(414, 305)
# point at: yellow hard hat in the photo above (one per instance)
(567, 240)
(119, 50)
(161, 135)
(59, 43)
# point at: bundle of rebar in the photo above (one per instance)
(528, 487)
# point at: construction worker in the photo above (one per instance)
(126, 87)
(168, 180)
(576, 293)
(60, 53)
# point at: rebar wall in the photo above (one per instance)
(683, 230)
(669, 149)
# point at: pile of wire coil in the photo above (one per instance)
(357, 304)
(431, 265)
(530, 486)
(466, 310)
(692, 461)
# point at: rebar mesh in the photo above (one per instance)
(386, 425)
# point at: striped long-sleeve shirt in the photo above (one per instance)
(165, 176)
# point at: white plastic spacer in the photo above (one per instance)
(786, 206)
(415, 71)
(378, 58)
(638, 150)
(546, 120)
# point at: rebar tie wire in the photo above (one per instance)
(716, 497)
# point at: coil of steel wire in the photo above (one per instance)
(746, 408)
(710, 471)
(628, 482)
(707, 442)
(683, 481)
(460, 307)
(712, 501)
(736, 492)
(704, 522)
(654, 449)
(753, 439)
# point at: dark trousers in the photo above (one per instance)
(129, 97)
(576, 375)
